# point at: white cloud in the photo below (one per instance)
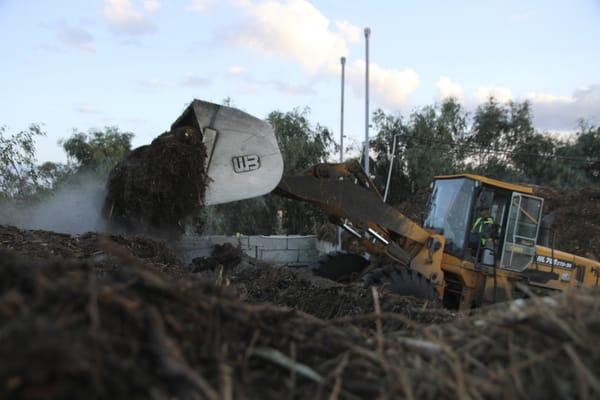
(501, 94)
(76, 38)
(199, 5)
(127, 19)
(545, 98)
(350, 32)
(388, 87)
(563, 112)
(448, 88)
(294, 30)
(236, 70)
(559, 113)
(151, 6)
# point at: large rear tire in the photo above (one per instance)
(340, 266)
(401, 281)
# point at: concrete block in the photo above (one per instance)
(279, 256)
(269, 242)
(222, 239)
(250, 253)
(301, 242)
(244, 241)
(308, 256)
(193, 241)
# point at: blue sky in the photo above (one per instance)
(137, 63)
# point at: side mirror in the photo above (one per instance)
(548, 220)
(546, 227)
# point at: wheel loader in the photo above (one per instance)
(432, 260)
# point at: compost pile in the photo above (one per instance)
(159, 188)
(326, 299)
(577, 223)
(99, 249)
(298, 288)
(70, 331)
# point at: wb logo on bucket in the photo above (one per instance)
(246, 163)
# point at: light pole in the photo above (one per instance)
(366, 150)
(343, 62)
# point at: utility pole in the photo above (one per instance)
(366, 147)
(343, 62)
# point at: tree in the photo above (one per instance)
(389, 127)
(428, 145)
(432, 142)
(97, 151)
(18, 170)
(587, 147)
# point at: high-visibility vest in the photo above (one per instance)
(480, 224)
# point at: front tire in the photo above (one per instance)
(401, 281)
(341, 266)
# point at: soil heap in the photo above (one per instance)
(70, 330)
(159, 188)
(577, 219)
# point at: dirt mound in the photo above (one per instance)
(93, 247)
(224, 255)
(159, 188)
(323, 298)
(255, 283)
(577, 222)
(537, 349)
(68, 332)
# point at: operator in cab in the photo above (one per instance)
(482, 229)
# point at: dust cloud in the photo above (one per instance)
(75, 207)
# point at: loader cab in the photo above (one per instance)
(456, 202)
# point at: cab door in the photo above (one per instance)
(521, 233)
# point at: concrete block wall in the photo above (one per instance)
(289, 249)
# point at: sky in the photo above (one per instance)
(136, 64)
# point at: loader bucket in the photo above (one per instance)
(242, 156)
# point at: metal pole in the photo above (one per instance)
(343, 61)
(366, 150)
(393, 155)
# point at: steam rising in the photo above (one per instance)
(74, 208)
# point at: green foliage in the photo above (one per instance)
(18, 170)
(51, 175)
(427, 146)
(587, 147)
(99, 150)
(498, 141)
(498, 129)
